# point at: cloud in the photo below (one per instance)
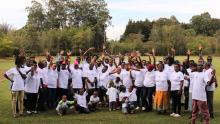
(13, 11)
(154, 9)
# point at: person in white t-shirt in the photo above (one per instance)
(52, 79)
(148, 89)
(161, 100)
(138, 75)
(76, 76)
(199, 95)
(126, 77)
(17, 76)
(33, 82)
(191, 72)
(82, 106)
(91, 80)
(176, 79)
(112, 93)
(94, 101)
(103, 78)
(63, 79)
(210, 89)
(42, 70)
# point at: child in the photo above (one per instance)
(64, 105)
(129, 101)
(94, 101)
(122, 94)
(176, 79)
(132, 97)
(112, 93)
(82, 106)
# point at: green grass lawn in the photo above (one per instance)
(100, 117)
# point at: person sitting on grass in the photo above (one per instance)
(64, 105)
(129, 101)
(94, 101)
(80, 98)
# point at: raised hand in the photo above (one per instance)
(61, 52)
(68, 53)
(189, 52)
(173, 50)
(200, 47)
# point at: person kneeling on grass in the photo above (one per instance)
(82, 106)
(94, 101)
(64, 105)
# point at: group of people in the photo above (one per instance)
(119, 82)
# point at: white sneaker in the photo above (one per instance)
(35, 112)
(28, 112)
(176, 115)
(172, 115)
(137, 108)
(143, 108)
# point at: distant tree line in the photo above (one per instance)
(166, 33)
(55, 25)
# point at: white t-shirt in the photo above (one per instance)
(63, 78)
(76, 75)
(126, 78)
(103, 79)
(81, 99)
(149, 79)
(94, 99)
(122, 95)
(169, 69)
(85, 67)
(161, 81)
(112, 94)
(43, 74)
(132, 95)
(52, 78)
(91, 74)
(199, 91)
(139, 77)
(209, 73)
(192, 80)
(175, 79)
(33, 82)
(18, 84)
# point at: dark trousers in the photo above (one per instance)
(186, 95)
(61, 92)
(51, 98)
(148, 98)
(139, 93)
(31, 101)
(90, 92)
(210, 95)
(176, 101)
(112, 106)
(42, 101)
(81, 109)
(102, 94)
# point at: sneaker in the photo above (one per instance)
(35, 112)
(59, 114)
(28, 112)
(172, 115)
(176, 115)
(137, 108)
(143, 108)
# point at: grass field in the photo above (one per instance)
(100, 117)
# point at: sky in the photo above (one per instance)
(13, 12)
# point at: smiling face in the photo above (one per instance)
(176, 67)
